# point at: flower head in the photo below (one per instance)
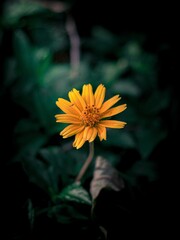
(87, 114)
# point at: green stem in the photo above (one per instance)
(87, 162)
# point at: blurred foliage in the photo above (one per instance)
(38, 70)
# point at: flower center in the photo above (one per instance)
(90, 116)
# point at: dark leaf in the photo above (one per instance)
(15, 11)
(67, 213)
(105, 176)
(24, 55)
(31, 213)
(76, 193)
(42, 174)
(111, 200)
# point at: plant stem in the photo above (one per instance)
(74, 42)
(87, 162)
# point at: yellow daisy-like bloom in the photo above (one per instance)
(87, 114)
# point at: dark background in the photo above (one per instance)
(153, 214)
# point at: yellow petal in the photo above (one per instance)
(77, 137)
(101, 132)
(89, 133)
(91, 95)
(79, 140)
(99, 95)
(67, 106)
(114, 111)
(67, 118)
(112, 124)
(87, 94)
(86, 130)
(93, 134)
(71, 130)
(109, 103)
(80, 144)
(77, 99)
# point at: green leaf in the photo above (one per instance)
(73, 204)
(15, 11)
(42, 174)
(75, 193)
(67, 213)
(110, 71)
(127, 87)
(43, 108)
(29, 138)
(50, 167)
(24, 55)
(48, 34)
(43, 58)
(53, 168)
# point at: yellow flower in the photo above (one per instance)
(87, 114)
